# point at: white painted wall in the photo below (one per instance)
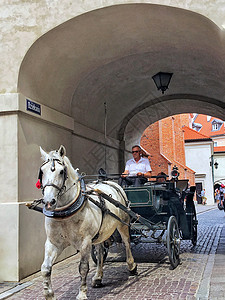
(220, 140)
(198, 157)
(219, 174)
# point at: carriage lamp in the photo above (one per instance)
(175, 172)
(162, 80)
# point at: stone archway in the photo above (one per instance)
(136, 122)
(110, 54)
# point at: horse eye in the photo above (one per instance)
(61, 172)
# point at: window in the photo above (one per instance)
(196, 126)
(215, 127)
(215, 144)
(216, 124)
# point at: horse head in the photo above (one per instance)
(53, 176)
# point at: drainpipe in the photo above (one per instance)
(212, 165)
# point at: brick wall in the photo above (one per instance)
(150, 142)
(164, 140)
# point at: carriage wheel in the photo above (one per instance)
(173, 242)
(94, 252)
(194, 230)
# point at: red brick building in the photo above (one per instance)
(164, 140)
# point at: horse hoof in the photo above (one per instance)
(50, 296)
(97, 283)
(134, 271)
(81, 297)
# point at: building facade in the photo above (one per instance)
(213, 128)
(198, 153)
(164, 140)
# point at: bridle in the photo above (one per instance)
(74, 205)
(61, 190)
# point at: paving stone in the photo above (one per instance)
(190, 280)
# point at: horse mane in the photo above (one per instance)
(70, 170)
(55, 154)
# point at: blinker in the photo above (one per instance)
(40, 176)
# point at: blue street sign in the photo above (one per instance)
(33, 107)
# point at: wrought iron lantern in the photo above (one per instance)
(162, 80)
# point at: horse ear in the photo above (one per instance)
(62, 151)
(44, 155)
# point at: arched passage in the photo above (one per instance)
(110, 54)
(137, 120)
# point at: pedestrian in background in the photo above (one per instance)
(203, 197)
(217, 195)
(222, 190)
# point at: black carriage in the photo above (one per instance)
(162, 212)
(167, 209)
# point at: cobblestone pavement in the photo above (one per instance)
(195, 278)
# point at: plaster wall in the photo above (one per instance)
(198, 158)
(90, 156)
(8, 164)
(23, 22)
(32, 133)
(219, 140)
(9, 239)
(22, 234)
(219, 173)
(8, 198)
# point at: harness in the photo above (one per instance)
(71, 208)
(77, 202)
(104, 210)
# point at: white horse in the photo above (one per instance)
(72, 219)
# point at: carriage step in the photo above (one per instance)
(139, 226)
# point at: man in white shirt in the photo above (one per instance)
(137, 170)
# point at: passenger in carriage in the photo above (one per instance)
(137, 170)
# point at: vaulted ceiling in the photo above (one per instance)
(110, 55)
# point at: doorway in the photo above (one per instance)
(198, 192)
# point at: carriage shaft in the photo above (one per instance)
(132, 214)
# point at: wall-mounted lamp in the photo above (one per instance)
(215, 164)
(162, 80)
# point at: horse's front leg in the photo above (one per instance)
(51, 253)
(84, 269)
(97, 279)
